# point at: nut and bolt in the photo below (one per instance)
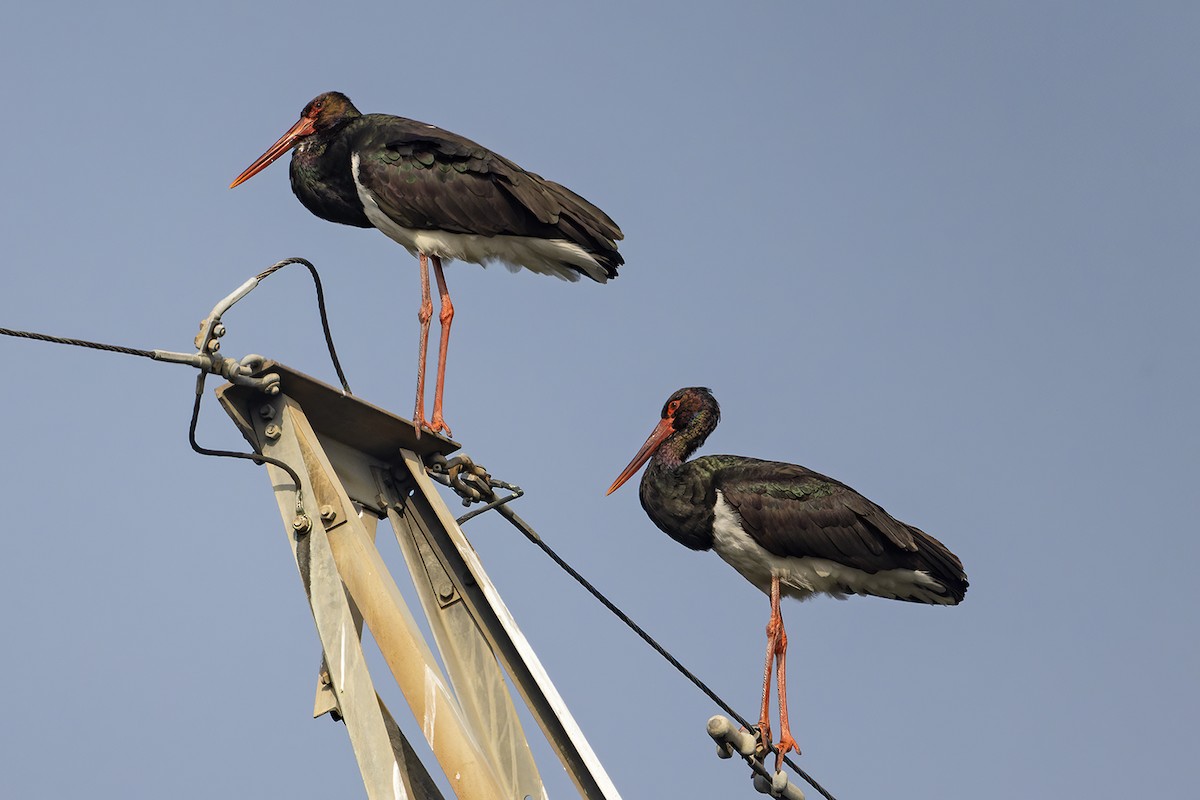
(273, 431)
(328, 514)
(301, 524)
(267, 411)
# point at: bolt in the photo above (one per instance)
(328, 514)
(301, 524)
(267, 411)
(273, 431)
(218, 330)
(214, 345)
(446, 592)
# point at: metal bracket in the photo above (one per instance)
(211, 329)
(208, 343)
(232, 370)
(390, 499)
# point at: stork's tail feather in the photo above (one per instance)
(941, 565)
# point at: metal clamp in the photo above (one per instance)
(232, 370)
(471, 482)
(208, 343)
(732, 740)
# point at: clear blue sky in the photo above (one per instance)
(943, 252)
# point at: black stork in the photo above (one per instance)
(788, 530)
(442, 196)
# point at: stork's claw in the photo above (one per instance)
(786, 744)
(438, 425)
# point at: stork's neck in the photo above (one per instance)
(680, 445)
(322, 177)
(678, 495)
(680, 502)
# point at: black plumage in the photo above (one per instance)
(441, 196)
(430, 179)
(792, 511)
(788, 510)
(787, 529)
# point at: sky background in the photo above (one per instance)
(943, 252)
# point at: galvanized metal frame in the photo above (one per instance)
(358, 464)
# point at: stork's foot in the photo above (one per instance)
(763, 734)
(786, 745)
(438, 425)
(435, 425)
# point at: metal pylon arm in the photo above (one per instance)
(358, 464)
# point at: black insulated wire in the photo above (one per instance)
(320, 307)
(109, 348)
(533, 536)
(256, 457)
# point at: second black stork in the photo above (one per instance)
(788, 530)
(442, 197)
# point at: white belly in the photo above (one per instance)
(804, 577)
(544, 256)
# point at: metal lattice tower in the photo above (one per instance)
(357, 465)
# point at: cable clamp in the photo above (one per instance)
(731, 740)
(232, 370)
(471, 482)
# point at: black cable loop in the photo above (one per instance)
(133, 351)
(320, 307)
(256, 457)
(112, 348)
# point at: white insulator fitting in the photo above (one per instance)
(778, 786)
(729, 738)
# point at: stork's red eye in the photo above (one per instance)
(672, 407)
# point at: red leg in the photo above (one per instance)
(424, 315)
(786, 742)
(446, 317)
(764, 715)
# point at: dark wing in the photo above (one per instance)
(428, 178)
(792, 511)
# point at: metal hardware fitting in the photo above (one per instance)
(208, 343)
(732, 740)
(471, 482)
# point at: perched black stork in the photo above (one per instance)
(442, 196)
(786, 529)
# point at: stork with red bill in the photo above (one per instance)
(788, 530)
(442, 197)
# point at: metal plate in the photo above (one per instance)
(344, 417)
